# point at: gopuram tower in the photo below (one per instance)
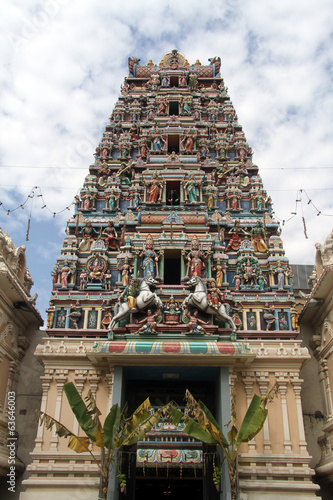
(173, 276)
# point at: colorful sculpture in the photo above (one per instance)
(149, 258)
(195, 258)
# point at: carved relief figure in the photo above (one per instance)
(150, 258)
(195, 258)
(194, 325)
(110, 234)
(154, 189)
(125, 269)
(149, 322)
(191, 189)
(235, 240)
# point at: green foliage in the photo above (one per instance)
(117, 431)
(201, 424)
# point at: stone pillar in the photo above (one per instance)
(61, 378)
(46, 382)
(282, 380)
(297, 386)
(79, 381)
(94, 376)
(326, 387)
(223, 417)
(99, 318)
(181, 194)
(113, 493)
(109, 381)
(248, 381)
(263, 381)
(85, 318)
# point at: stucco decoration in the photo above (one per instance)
(324, 254)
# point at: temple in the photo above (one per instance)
(173, 276)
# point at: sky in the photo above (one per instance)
(63, 62)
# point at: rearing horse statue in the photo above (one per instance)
(198, 299)
(146, 298)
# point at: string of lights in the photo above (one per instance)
(36, 191)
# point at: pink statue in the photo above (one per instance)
(154, 189)
(195, 258)
(65, 272)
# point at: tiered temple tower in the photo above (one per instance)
(172, 275)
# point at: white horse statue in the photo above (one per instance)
(145, 298)
(198, 299)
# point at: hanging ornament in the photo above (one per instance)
(304, 226)
(28, 229)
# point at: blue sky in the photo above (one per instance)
(63, 62)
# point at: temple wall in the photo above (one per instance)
(279, 451)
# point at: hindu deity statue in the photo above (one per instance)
(125, 269)
(149, 258)
(235, 240)
(195, 258)
(154, 189)
(110, 234)
(258, 237)
(191, 189)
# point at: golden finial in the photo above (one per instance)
(150, 63)
(187, 63)
(197, 63)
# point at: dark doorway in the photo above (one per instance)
(168, 489)
(173, 193)
(173, 108)
(174, 81)
(172, 266)
(166, 383)
(163, 384)
(173, 143)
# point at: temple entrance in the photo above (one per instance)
(161, 489)
(167, 464)
(172, 267)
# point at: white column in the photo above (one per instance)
(46, 382)
(99, 318)
(282, 380)
(328, 392)
(263, 381)
(248, 380)
(61, 378)
(109, 380)
(297, 386)
(85, 319)
(79, 380)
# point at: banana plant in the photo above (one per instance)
(117, 431)
(201, 424)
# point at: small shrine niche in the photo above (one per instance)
(172, 267)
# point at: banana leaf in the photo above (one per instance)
(195, 430)
(79, 409)
(111, 425)
(78, 444)
(253, 421)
